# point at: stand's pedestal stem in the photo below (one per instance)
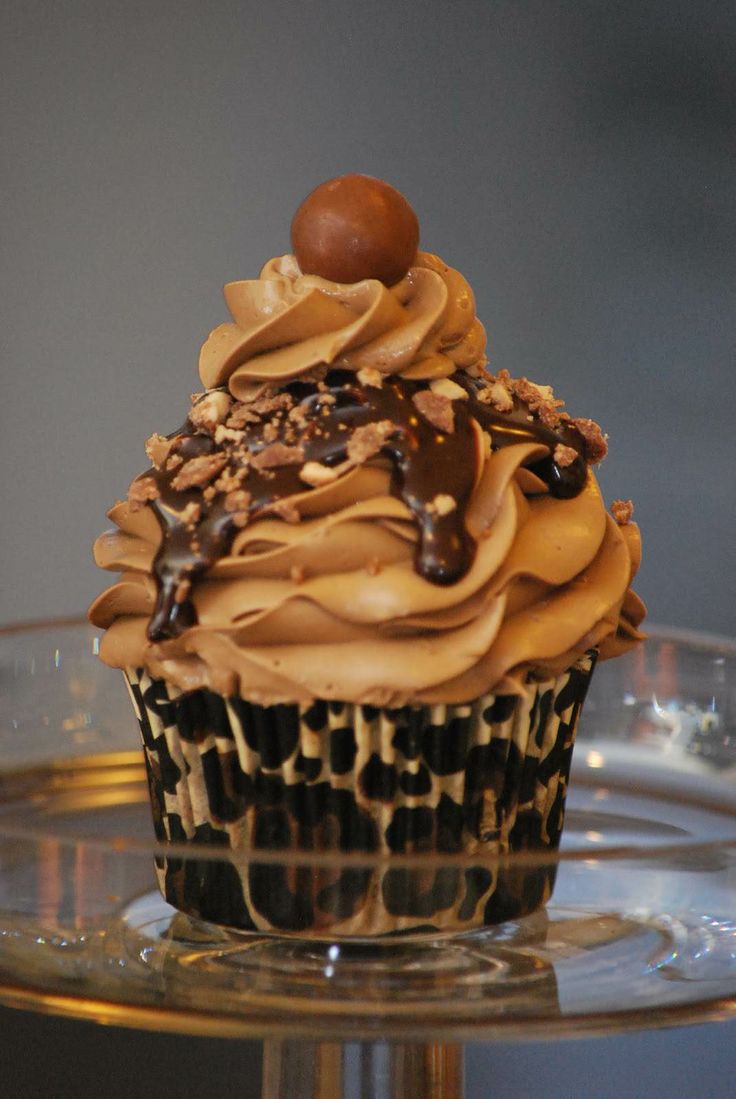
(361, 1070)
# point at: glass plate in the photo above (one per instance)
(640, 929)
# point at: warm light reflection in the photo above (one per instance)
(50, 883)
(595, 759)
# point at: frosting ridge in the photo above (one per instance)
(285, 324)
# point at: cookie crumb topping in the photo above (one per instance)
(564, 455)
(367, 441)
(437, 409)
(210, 410)
(141, 491)
(622, 511)
(278, 454)
(596, 445)
(368, 375)
(498, 395)
(157, 449)
(197, 472)
(235, 460)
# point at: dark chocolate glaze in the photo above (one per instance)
(424, 462)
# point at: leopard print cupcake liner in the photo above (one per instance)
(487, 777)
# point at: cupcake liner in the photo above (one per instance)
(488, 776)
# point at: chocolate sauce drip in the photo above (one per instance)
(425, 462)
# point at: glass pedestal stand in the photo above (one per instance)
(640, 930)
(361, 1070)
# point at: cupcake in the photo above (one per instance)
(363, 589)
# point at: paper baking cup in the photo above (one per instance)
(485, 777)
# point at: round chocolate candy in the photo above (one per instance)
(355, 227)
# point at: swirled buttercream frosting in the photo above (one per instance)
(356, 508)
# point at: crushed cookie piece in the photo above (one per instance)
(297, 574)
(445, 387)
(498, 395)
(240, 415)
(174, 461)
(190, 515)
(539, 399)
(297, 415)
(272, 403)
(549, 416)
(240, 519)
(369, 376)
(230, 480)
(270, 432)
(316, 474)
(286, 511)
(228, 434)
(277, 454)
(141, 491)
(194, 397)
(596, 446)
(441, 504)
(437, 409)
(237, 500)
(622, 511)
(157, 449)
(198, 472)
(532, 394)
(373, 567)
(366, 441)
(527, 392)
(564, 455)
(210, 411)
(240, 455)
(209, 493)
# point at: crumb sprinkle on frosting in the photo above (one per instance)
(237, 458)
(622, 511)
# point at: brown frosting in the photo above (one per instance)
(285, 324)
(355, 509)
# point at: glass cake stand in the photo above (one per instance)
(640, 930)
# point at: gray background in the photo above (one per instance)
(574, 160)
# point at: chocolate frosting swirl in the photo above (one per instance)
(356, 510)
(285, 324)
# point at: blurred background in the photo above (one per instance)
(574, 160)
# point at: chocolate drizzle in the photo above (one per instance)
(426, 463)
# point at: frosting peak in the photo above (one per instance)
(286, 323)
